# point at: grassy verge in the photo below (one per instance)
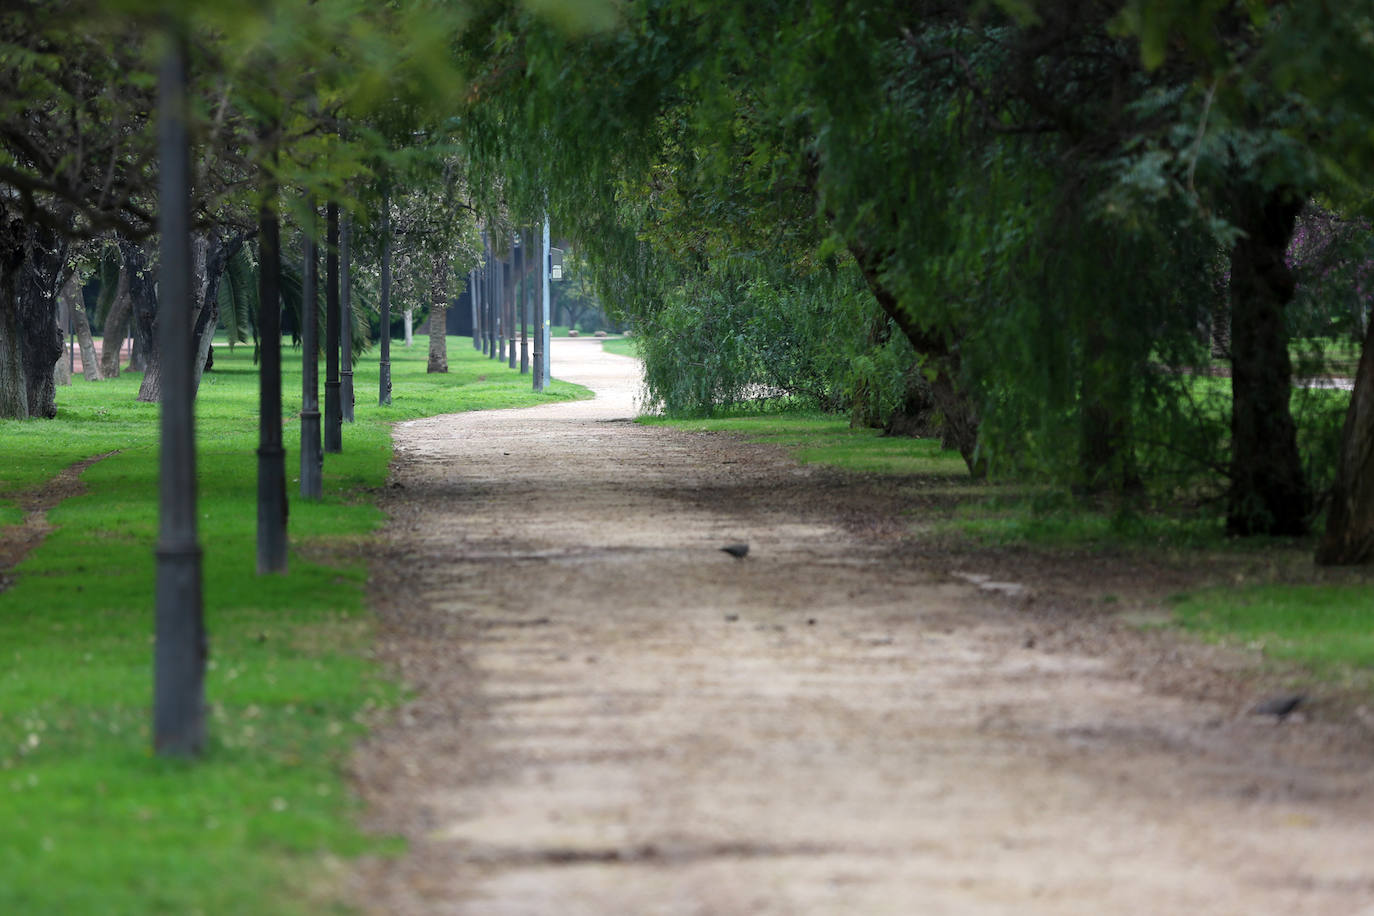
(623, 346)
(1326, 629)
(1322, 622)
(92, 822)
(818, 438)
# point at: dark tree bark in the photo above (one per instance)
(333, 333)
(143, 300)
(272, 502)
(116, 327)
(14, 398)
(217, 250)
(960, 421)
(312, 452)
(45, 255)
(346, 322)
(384, 375)
(1268, 494)
(438, 316)
(523, 300)
(1349, 537)
(181, 644)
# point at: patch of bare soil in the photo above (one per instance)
(16, 541)
(613, 716)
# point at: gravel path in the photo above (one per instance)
(614, 717)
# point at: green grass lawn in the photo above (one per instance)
(1326, 629)
(92, 822)
(623, 346)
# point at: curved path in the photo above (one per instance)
(614, 717)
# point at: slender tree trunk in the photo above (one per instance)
(438, 316)
(408, 322)
(346, 319)
(1268, 493)
(181, 645)
(116, 328)
(472, 303)
(523, 306)
(138, 360)
(960, 427)
(143, 295)
(217, 252)
(384, 375)
(333, 413)
(502, 322)
(272, 502)
(62, 369)
(71, 295)
(1349, 537)
(312, 453)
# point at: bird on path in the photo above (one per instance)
(1279, 706)
(738, 551)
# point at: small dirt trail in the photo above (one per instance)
(614, 717)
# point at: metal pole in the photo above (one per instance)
(180, 646)
(312, 456)
(502, 323)
(493, 294)
(384, 383)
(521, 305)
(510, 309)
(548, 330)
(539, 253)
(346, 328)
(333, 415)
(272, 504)
(471, 304)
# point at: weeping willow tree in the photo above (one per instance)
(1044, 219)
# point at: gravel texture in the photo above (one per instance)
(611, 715)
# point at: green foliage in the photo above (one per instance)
(93, 822)
(238, 298)
(733, 334)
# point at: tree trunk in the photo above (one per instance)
(143, 298)
(384, 363)
(1269, 493)
(212, 258)
(959, 428)
(14, 400)
(438, 316)
(272, 502)
(408, 322)
(1349, 537)
(71, 299)
(333, 332)
(137, 360)
(62, 369)
(45, 255)
(116, 328)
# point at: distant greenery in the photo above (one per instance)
(93, 823)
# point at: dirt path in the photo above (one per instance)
(614, 717)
